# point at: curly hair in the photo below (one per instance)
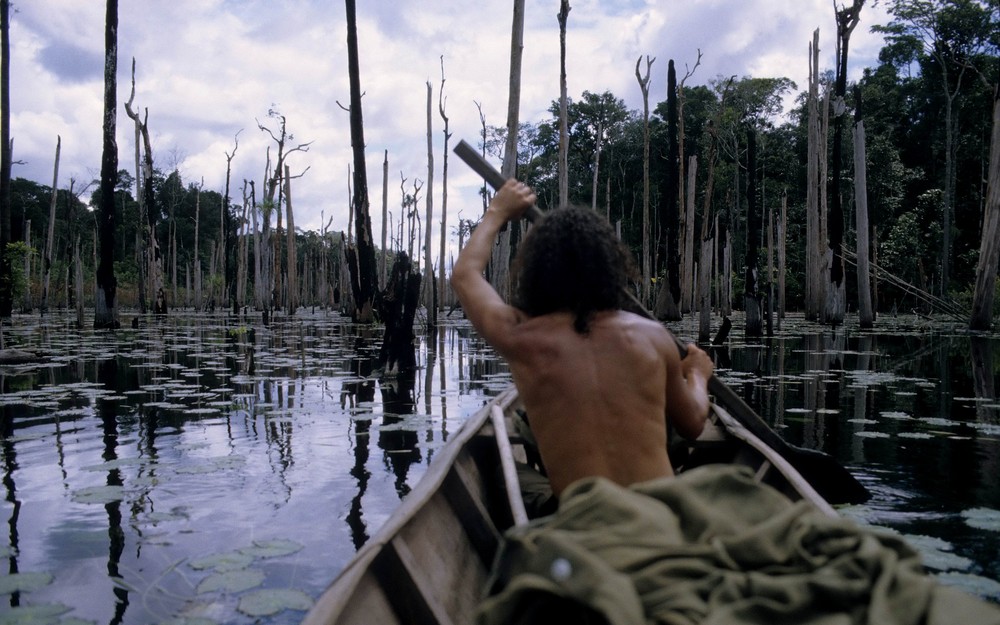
(571, 261)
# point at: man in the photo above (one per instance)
(596, 381)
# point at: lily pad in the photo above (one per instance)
(982, 519)
(271, 601)
(937, 554)
(973, 584)
(272, 548)
(232, 581)
(871, 434)
(99, 494)
(34, 614)
(223, 562)
(23, 582)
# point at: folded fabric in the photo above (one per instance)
(712, 546)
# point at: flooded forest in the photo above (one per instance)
(206, 410)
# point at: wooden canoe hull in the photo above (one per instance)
(431, 561)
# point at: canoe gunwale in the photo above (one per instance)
(331, 602)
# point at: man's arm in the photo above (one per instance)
(687, 391)
(490, 315)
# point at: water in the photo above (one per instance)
(221, 471)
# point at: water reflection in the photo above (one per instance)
(200, 436)
(913, 411)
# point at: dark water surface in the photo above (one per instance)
(211, 470)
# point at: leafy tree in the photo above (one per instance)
(946, 39)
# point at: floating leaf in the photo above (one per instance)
(895, 414)
(937, 553)
(188, 620)
(982, 519)
(223, 562)
(272, 548)
(871, 434)
(23, 582)
(973, 584)
(99, 494)
(232, 581)
(34, 614)
(271, 601)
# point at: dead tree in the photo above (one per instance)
(866, 312)
(106, 294)
(227, 239)
(989, 247)
(292, 283)
(6, 157)
(644, 87)
(503, 248)
(50, 237)
(442, 283)
(197, 251)
(366, 280)
(429, 290)
(685, 198)
(751, 289)
(564, 10)
(385, 219)
(816, 195)
(668, 297)
(836, 304)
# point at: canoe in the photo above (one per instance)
(430, 562)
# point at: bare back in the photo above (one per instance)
(597, 402)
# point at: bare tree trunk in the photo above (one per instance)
(428, 283)
(228, 237)
(502, 249)
(78, 282)
(866, 313)
(668, 297)
(293, 302)
(564, 10)
(597, 167)
(687, 263)
(50, 238)
(812, 281)
(26, 303)
(385, 219)
(836, 299)
(442, 282)
(685, 199)
(782, 233)
(751, 289)
(644, 87)
(106, 294)
(258, 252)
(197, 251)
(6, 158)
(989, 247)
(367, 281)
(705, 290)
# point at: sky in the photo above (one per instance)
(207, 71)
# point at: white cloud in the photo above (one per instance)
(208, 68)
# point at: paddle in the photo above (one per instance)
(831, 480)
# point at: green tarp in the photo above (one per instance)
(712, 546)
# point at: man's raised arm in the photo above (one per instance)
(483, 306)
